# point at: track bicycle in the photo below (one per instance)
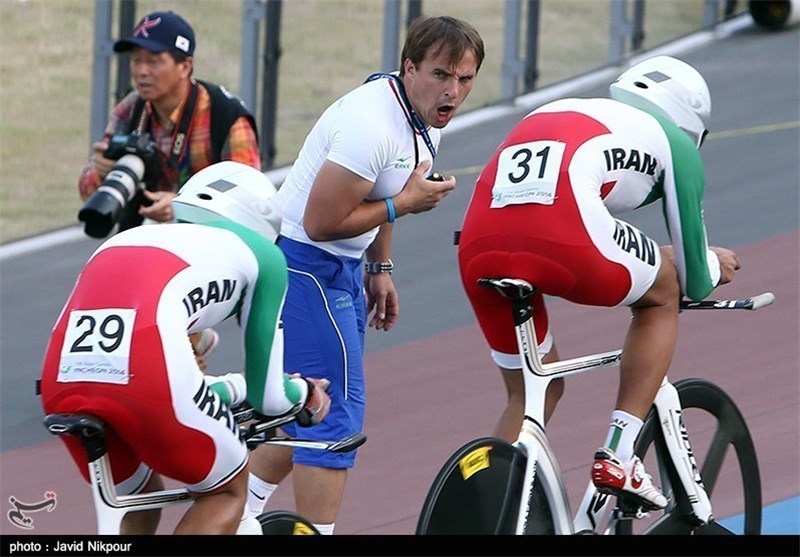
(490, 486)
(254, 430)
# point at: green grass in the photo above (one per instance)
(328, 47)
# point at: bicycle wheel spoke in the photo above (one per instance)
(714, 459)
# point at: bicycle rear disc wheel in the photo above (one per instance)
(285, 523)
(725, 455)
(477, 491)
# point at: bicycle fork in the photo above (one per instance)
(676, 437)
(594, 505)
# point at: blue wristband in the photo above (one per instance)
(390, 209)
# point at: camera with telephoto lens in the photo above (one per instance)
(119, 196)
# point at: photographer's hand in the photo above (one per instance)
(161, 209)
(101, 164)
(95, 170)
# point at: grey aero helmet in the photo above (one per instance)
(234, 191)
(671, 88)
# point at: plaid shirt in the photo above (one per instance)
(241, 144)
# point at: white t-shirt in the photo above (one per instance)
(369, 132)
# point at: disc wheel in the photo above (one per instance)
(285, 523)
(726, 459)
(477, 491)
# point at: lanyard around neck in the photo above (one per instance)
(417, 124)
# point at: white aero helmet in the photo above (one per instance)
(671, 88)
(235, 191)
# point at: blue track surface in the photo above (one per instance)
(782, 518)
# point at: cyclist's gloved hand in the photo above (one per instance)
(231, 387)
(317, 405)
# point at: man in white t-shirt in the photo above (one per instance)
(366, 162)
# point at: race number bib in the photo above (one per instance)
(97, 346)
(527, 173)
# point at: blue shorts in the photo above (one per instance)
(324, 319)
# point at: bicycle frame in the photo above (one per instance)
(473, 493)
(111, 508)
(533, 441)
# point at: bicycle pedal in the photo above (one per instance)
(632, 513)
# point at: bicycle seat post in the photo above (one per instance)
(520, 293)
(91, 432)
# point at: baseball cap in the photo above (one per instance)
(160, 31)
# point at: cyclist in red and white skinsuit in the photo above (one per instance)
(544, 210)
(120, 350)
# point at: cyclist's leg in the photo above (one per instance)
(204, 452)
(179, 426)
(639, 275)
(647, 353)
(218, 511)
(143, 522)
(494, 316)
(650, 342)
(510, 420)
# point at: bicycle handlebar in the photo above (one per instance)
(753, 303)
(262, 431)
(345, 445)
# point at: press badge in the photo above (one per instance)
(97, 346)
(527, 173)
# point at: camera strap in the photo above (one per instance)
(141, 116)
(179, 141)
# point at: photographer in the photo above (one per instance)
(168, 129)
(186, 124)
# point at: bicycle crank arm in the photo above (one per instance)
(754, 303)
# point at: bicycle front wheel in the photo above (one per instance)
(285, 523)
(477, 491)
(725, 456)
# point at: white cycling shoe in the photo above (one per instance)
(627, 481)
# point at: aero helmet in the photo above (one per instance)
(670, 88)
(232, 190)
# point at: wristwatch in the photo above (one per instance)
(375, 267)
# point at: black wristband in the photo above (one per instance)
(375, 267)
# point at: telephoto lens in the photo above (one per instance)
(104, 208)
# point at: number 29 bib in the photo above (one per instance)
(97, 346)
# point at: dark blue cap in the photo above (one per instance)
(160, 31)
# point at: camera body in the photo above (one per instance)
(139, 144)
(120, 193)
